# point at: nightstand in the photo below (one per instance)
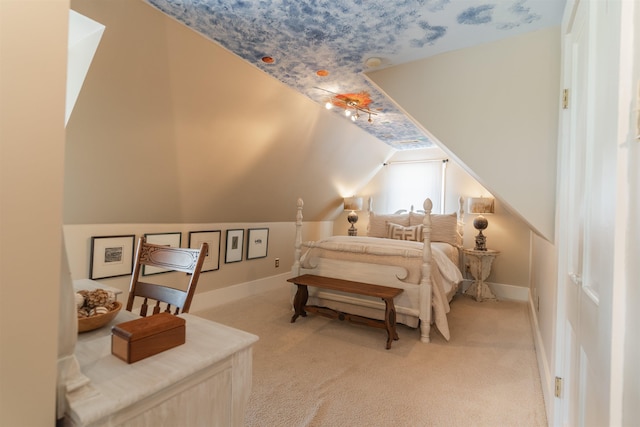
(479, 265)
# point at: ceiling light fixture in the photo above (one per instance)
(352, 103)
(373, 62)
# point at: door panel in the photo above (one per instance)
(589, 213)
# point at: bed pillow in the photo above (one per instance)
(444, 228)
(378, 224)
(400, 232)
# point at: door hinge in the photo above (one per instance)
(565, 99)
(558, 387)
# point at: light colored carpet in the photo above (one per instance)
(323, 372)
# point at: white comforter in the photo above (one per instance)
(406, 254)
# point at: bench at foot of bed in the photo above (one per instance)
(386, 293)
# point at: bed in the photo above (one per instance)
(417, 251)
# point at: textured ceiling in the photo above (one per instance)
(336, 38)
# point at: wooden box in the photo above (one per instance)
(140, 338)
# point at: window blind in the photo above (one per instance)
(410, 182)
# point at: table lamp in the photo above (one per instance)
(353, 204)
(478, 206)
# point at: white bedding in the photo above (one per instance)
(406, 255)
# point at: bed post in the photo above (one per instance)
(461, 216)
(298, 244)
(460, 229)
(425, 280)
(369, 211)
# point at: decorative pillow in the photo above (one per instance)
(416, 218)
(444, 228)
(378, 224)
(400, 232)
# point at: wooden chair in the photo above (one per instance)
(174, 259)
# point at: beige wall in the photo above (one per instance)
(494, 108)
(32, 108)
(172, 132)
(209, 139)
(506, 233)
(280, 245)
(136, 101)
(123, 154)
(544, 305)
(171, 128)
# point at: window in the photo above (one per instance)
(409, 183)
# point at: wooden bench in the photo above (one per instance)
(385, 292)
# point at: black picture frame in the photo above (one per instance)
(111, 256)
(257, 243)
(234, 245)
(213, 239)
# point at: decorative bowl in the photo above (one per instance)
(86, 324)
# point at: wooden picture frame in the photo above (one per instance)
(212, 238)
(234, 246)
(111, 256)
(173, 240)
(257, 243)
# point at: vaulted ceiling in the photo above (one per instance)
(324, 48)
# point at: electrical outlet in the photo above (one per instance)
(277, 262)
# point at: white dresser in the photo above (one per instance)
(204, 382)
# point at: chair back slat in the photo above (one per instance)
(177, 259)
(173, 259)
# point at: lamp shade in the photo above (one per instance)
(353, 203)
(480, 205)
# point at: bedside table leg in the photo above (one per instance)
(480, 291)
(480, 267)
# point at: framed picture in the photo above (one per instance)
(164, 239)
(235, 240)
(212, 238)
(257, 243)
(111, 256)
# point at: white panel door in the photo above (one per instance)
(587, 206)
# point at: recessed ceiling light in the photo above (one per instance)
(373, 62)
(268, 60)
(322, 73)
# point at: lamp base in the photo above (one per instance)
(480, 223)
(481, 242)
(352, 218)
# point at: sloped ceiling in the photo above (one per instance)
(172, 128)
(324, 48)
(84, 37)
(501, 131)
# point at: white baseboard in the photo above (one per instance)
(218, 297)
(206, 300)
(502, 291)
(547, 380)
